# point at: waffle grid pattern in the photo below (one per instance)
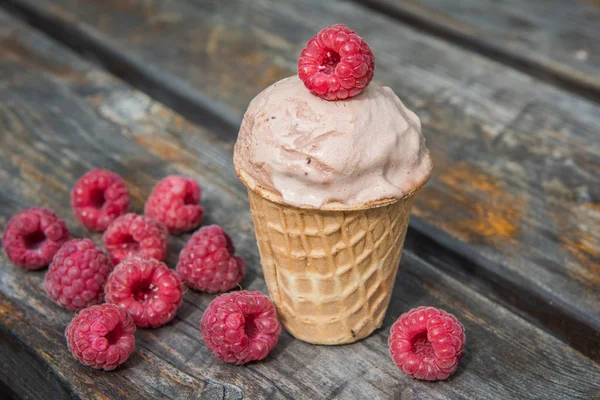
(330, 273)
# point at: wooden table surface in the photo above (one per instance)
(505, 236)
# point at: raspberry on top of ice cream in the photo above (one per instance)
(336, 64)
(298, 148)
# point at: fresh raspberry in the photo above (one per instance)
(98, 198)
(427, 343)
(207, 263)
(77, 275)
(132, 234)
(33, 236)
(336, 64)
(147, 289)
(101, 336)
(174, 202)
(240, 327)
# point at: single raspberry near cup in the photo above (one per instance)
(240, 327)
(101, 336)
(132, 235)
(33, 236)
(147, 289)
(427, 343)
(98, 198)
(336, 64)
(174, 202)
(207, 262)
(77, 275)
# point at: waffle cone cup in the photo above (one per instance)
(329, 272)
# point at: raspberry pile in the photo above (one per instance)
(207, 262)
(427, 343)
(174, 203)
(101, 336)
(77, 275)
(98, 198)
(147, 289)
(131, 235)
(240, 327)
(32, 237)
(336, 64)
(141, 290)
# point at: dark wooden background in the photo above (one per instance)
(505, 235)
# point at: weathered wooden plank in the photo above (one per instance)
(60, 116)
(554, 40)
(516, 182)
(37, 364)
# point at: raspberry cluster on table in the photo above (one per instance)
(140, 289)
(130, 275)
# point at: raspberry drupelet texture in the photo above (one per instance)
(98, 198)
(174, 202)
(77, 275)
(336, 64)
(207, 262)
(147, 289)
(427, 343)
(240, 327)
(32, 237)
(132, 234)
(101, 336)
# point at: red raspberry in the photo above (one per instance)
(98, 198)
(336, 64)
(240, 327)
(147, 289)
(77, 275)
(207, 263)
(174, 202)
(101, 336)
(33, 236)
(427, 343)
(132, 234)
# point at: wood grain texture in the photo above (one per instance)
(60, 116)
(554, 40)
(516, 182)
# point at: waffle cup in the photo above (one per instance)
(330, 272)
